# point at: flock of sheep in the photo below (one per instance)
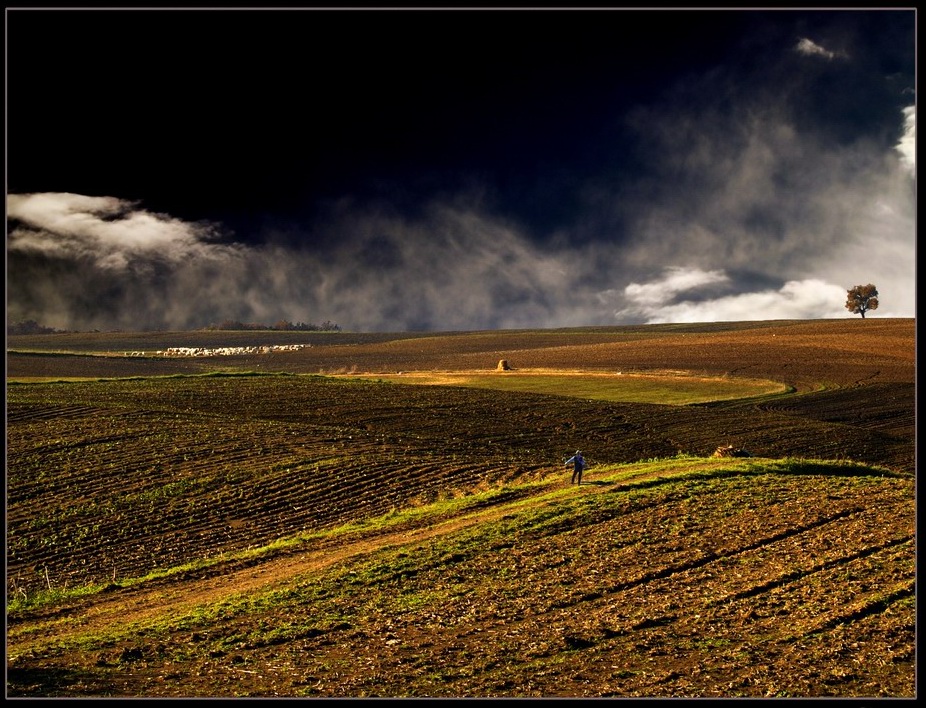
(222, 351)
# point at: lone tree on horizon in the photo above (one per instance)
(862, 298)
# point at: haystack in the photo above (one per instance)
(730, 451)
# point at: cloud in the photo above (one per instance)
(103, 263)
(747, 187)
(811, 48)
(110, 231)
(675, 280)
(455, 268)
(805, 299)
(82, 262)
(907, 143)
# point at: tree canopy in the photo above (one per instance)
(862, 298)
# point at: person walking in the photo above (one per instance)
(578, 464)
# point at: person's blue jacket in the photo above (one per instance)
(577, 461)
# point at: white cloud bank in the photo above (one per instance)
(663, 300)
(907, 145)
(100, 263)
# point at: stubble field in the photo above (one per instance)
(295, 524)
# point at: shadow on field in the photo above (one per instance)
(44, 681)
(849, 469)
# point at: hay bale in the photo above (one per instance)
(730, 451)
(503, 365)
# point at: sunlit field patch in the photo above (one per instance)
(673, 388)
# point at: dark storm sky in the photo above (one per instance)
(457, 169)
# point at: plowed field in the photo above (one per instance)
(670, 573)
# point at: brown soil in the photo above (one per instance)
(783, 584)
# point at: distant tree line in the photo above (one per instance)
(29, 327)
(281, 326)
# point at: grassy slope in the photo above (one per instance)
(724, 566)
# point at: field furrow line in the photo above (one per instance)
(702, 560)
(24, 413)
(803, 573)
(687, 610)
